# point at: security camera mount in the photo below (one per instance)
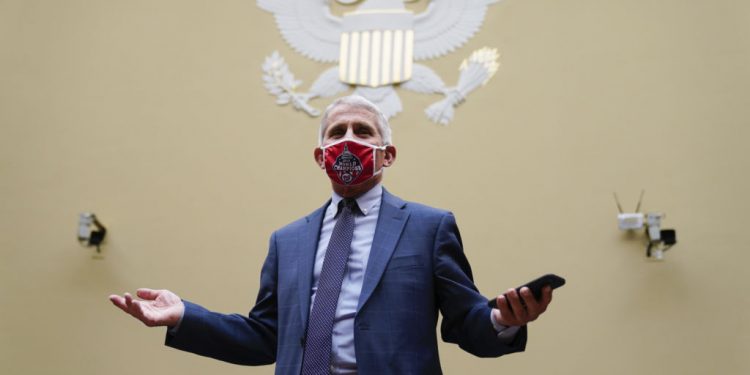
(89, 236)
(659, 240)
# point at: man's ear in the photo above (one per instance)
(318, 155)
(389, 155)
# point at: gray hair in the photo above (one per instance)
(357, 101)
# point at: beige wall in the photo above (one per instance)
(152, 114)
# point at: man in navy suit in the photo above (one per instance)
(405, 265)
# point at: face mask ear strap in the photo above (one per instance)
(375, 159)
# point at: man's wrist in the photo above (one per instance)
(172, 330)
(504, 333)
(498, 326)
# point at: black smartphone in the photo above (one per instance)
(536, 287)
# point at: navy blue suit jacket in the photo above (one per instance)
(416, 268)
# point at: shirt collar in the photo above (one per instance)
(366, 201)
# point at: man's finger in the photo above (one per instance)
(144, 314)
(546, 296)
(119, 302)
(541, 306)
(528, 297)
(519, 311)
(128, 300)
(148, 294)
(532, 306)
(507, 316)
(137, 309)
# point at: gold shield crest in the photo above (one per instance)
(377, 44)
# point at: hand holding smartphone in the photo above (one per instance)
(536, 287)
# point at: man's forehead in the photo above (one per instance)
(347, 113)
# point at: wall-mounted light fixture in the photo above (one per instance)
(659, 240)
(91, 232)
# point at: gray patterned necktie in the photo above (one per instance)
(317, 353)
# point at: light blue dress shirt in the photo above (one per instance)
(343, 352)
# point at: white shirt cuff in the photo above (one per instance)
(173, 330)
(504, 333)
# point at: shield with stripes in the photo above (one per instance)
(377, 44)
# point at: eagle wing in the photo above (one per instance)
(308, 26)
(447, 25)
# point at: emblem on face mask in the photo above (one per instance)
(347, 166)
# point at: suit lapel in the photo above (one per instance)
(391, 221)
(308, 245)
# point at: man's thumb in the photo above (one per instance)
(146, 293)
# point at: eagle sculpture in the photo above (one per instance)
(377, 47)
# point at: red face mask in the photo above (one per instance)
(350, 162)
